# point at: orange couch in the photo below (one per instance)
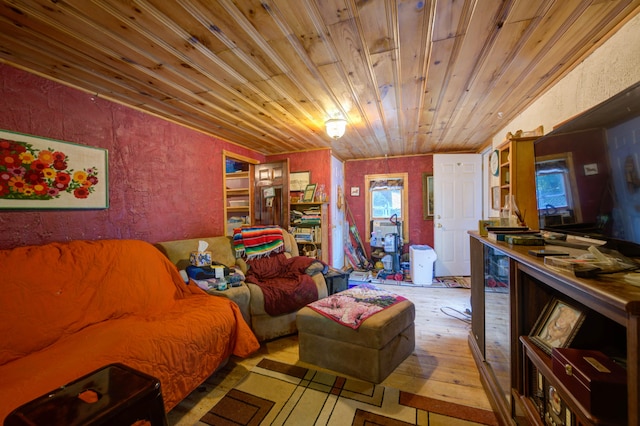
(67, 309)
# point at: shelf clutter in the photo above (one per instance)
(308, 224)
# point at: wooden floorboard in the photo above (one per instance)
(440, 367)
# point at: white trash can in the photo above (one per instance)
(422, 259)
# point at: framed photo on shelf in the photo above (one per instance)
(309, 193)
(298, 181)
(557, 325)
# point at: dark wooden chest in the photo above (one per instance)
(598, 383)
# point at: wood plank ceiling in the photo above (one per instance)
(410, 76)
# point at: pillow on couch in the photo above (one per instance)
(317, 267)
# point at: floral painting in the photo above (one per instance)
(39, 173)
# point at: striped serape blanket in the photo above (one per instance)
(258, 241)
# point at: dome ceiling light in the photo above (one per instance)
(336, 127)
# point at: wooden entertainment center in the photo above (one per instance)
(510, 290)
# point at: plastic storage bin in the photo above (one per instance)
(422, 259)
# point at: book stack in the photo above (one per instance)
(310, 216)
(515, 235)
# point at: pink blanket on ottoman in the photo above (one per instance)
(351, 307)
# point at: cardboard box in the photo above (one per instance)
(484, 224)
(598, 383)
(200, 258)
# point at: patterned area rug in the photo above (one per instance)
(274, 393)
(454, 282)
(438, 282)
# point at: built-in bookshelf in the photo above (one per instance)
(309, 226)
(238, 191)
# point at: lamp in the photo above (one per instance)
(336, 127)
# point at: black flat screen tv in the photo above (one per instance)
(588, 174)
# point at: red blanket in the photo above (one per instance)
(284, 283)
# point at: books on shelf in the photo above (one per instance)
(524, 239)
(500, 233)
(310, 216)
(307, 234)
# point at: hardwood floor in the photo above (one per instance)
(441, 365)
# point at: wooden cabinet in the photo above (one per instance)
(238, 191)
(517, 175)
(310, 227)
(510, 291)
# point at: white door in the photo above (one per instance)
(457, 199)
(337, 225)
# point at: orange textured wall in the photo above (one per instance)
(165, 180)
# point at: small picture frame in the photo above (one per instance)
(427, 196)
(557, 325)
(355, 191)
(269, 192)
(495, 198)
(298, 181)
(309, 193)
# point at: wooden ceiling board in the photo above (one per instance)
(338, 102)
(468, 58)
(410, 76)
(449, 17)
(541, 46)
(437, 75)
(386, 81)
(413, 32)
(481, 87)
(527, 10)
(514, 76)
(37, 54)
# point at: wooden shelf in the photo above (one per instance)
(517, 176)
(238, 191)
(612, 325)
(321, 229)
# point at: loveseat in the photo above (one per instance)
(68, 309)
(264, 325)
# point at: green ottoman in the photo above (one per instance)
(369, 353)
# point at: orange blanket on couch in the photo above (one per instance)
(70, 308)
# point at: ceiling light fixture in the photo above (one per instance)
(336, 127)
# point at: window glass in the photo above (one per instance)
(552, 186)
(386, 203)
(552, 191)
(386, 197)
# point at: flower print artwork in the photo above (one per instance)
(43, 173)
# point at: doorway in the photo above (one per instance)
(457, 190)
(271, 195)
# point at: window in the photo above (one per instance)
(557, 202)
(387, 196)
(552, 189)
(553, 186)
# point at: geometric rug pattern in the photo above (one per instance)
(275, 393)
